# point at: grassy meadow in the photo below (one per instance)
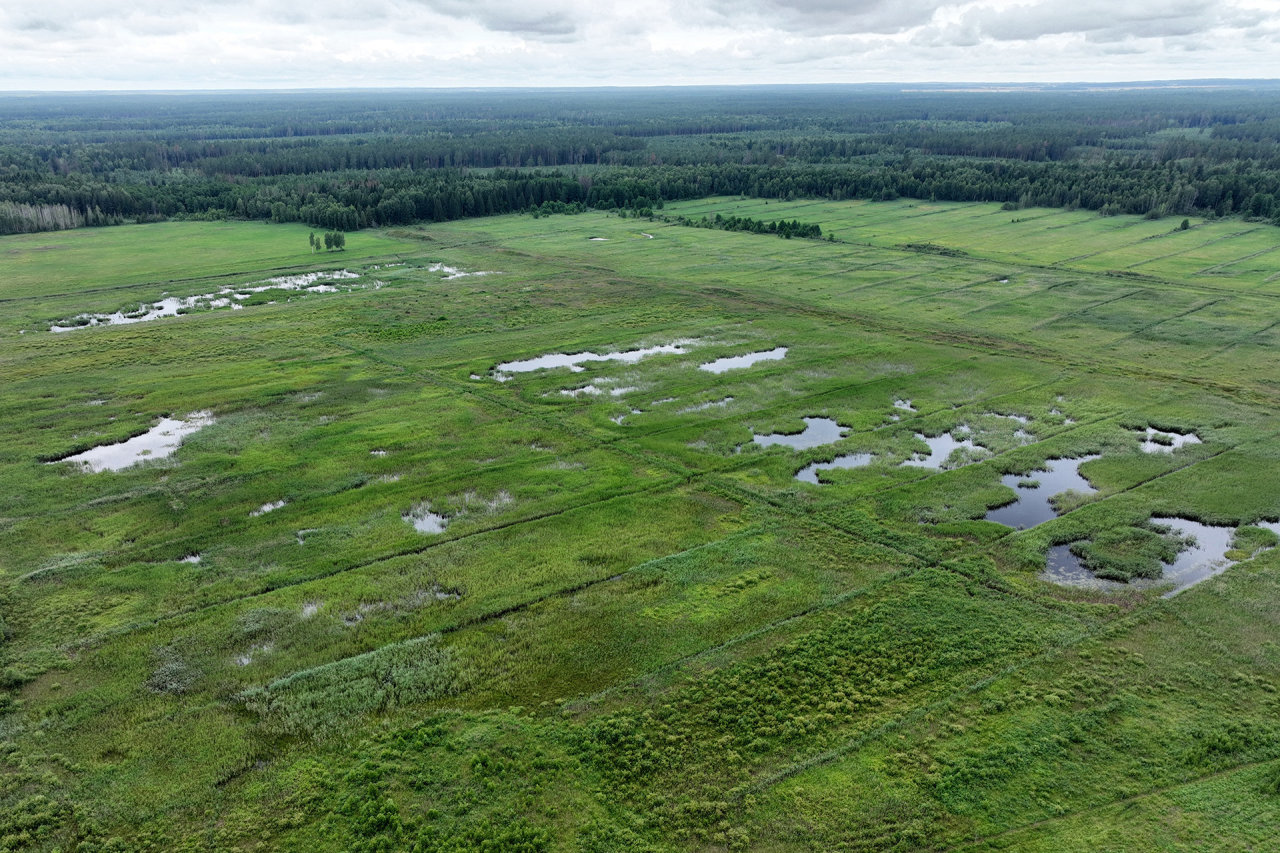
(638, 631)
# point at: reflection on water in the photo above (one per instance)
(1032, 506)
(159, 442)
(451, 273)
(426, 521)
(940, 449)
(574, 361)
(809, 473)
(1158, 441)
(734, 362)
(1202, 560)
(270, 506)
(817, 432)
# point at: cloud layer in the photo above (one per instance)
(90, 44)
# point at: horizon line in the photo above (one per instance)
(1172, 82)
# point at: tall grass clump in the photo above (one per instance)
(320, 700)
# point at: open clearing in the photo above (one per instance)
(622, 622)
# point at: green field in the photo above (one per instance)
(639, 631)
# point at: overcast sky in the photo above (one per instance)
(220, 44)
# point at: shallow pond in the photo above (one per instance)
(1065, 569)
(168, 307)
(270, 506)
(159, 442)
(426, 521)
(258, 649)
(940, 449)
(574, 361)
(809, 473)
(1159, 441)
(451, 273)
(1206, 558)
(702, 407)
(1032, 506)
(734, 362)
(594, 390)
(817, 432)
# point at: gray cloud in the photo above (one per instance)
(31, 25)
(533, 19)
(1105, 20)
(818, 17)
(529, 24)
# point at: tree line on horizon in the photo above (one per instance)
(395, 159)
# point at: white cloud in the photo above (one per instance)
(78, 44)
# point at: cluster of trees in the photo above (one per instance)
(794, 228)
(342, 163)
(552, 208)
(331, 240)
(25, 218)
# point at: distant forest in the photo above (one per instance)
(349, 160)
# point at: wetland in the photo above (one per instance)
(605, 629)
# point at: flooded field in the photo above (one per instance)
(227, 297)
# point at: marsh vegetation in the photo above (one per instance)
(381, 600)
